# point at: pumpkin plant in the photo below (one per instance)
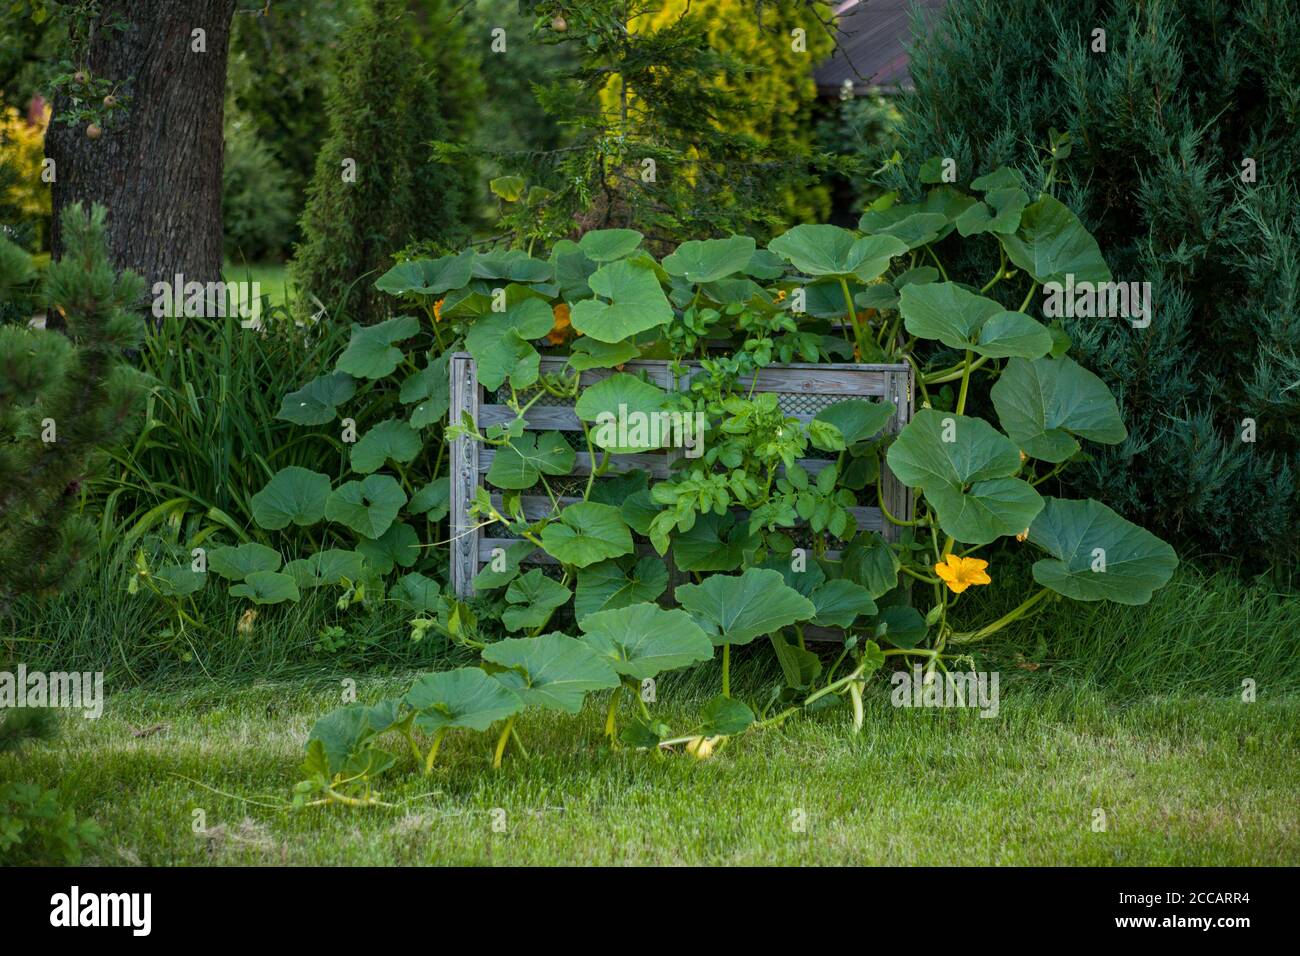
(764, 534)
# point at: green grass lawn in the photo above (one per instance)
(274, 278)
(1192, 781)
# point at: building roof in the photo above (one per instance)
(874, 37)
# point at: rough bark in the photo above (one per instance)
(158, 170)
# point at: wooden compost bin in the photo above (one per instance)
(802, 390)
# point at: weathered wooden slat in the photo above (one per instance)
(558, 418)
(470, 461)
(539, 506)
(656, 465)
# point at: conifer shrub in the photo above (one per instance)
(1179, 148)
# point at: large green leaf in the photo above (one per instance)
(552, 671)
(293, 495)
(371, 353)
(368, 507)
(427, 276)
(1044, 404)
(391, 440)
(856, 418)
(1097, 555)
(617, 583)
(737, 609)
(398, 545)
(346, 730)
(724, 716)
(643, 640)
(1001, 214)
(966, 480)
(588, 353)
(587, 532)
(179, 580)
(429, 390)
(824, 250)
(626, 399)
(512, 265)
(699, 261)
(417, 592)
(636, 302)
(521, 463)
(433, 500)
(325, 568)
(870, 561)
(462, 698)
(963, 320)
(606, 245)
(501, 341)
(533, 596)
(317, 402)
(266, 587)
(1051, 243)
(238, 562)
(714, 543)
(840, 602)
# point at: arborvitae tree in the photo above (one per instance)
(666, 134)
(1184, 161)
(63, 397)
(378, 185)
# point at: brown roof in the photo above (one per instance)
(873, 39)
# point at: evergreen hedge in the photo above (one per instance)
(1159, 125)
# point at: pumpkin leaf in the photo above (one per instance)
(266, 587)
(1051, 243)
(1045, 404)
(535, 597)
(522, 462)
(391, 440)
(368, 507)
(236, 563)
(501, 341)
(643, 640)
(465, 698)
(433, 500)
(967, 479)
(317, 402)
(636, 302)
(963, 320)
(607, 245)
(700, 261)
(398, 545)
(617, 583)
(825, 250)
(724, 716)
(294, 495)
(371, 353)
(856, 418)
(332, 566)
(737, 609)
(1097, 555)
(427, 276)
(623, 398)
(587, 532)
(553, 671)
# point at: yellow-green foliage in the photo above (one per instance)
(779, 90)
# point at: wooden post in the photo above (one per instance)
(464, 476)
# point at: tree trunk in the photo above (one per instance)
(158, 168)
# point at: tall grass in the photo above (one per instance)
(210, 439)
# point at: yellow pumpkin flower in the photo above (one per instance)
(437, 309)
(1023, 536)
(960, 573)
(780, 295)
(559, 332)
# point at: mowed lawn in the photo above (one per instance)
(1193, 782)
